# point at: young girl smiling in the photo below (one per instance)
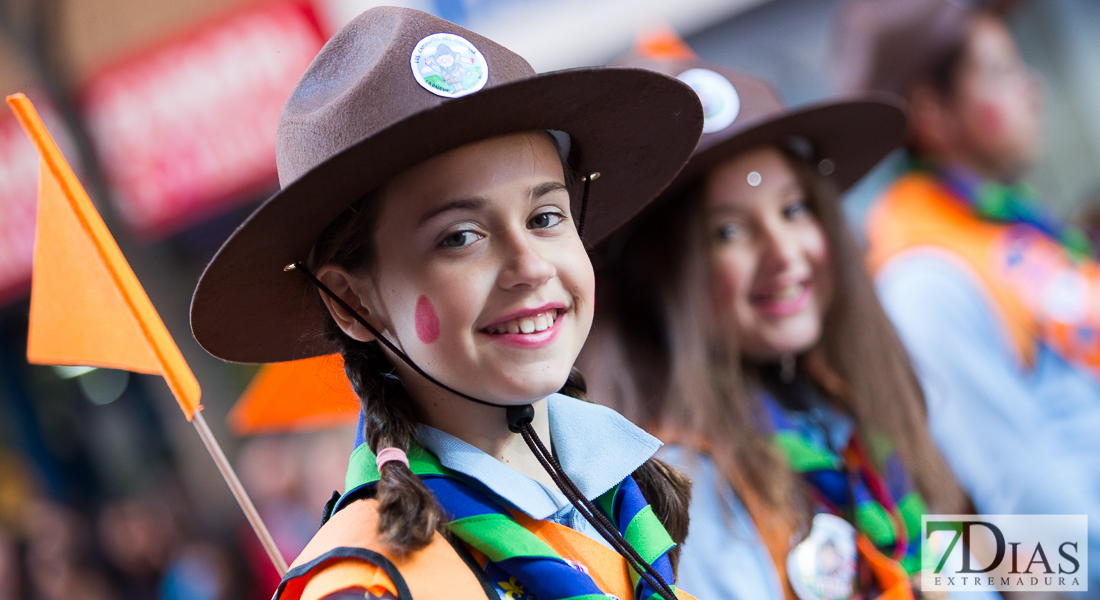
(736, 320)
(435, 235)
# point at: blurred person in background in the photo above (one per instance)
(139, 536)
(994, 298)
(60, 557)
(290, 479)
(10, 583)
(271, 472)
(737, 322)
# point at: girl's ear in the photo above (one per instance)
(929, 119)
(354, 291)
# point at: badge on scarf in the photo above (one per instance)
(823, 566)
(448, 65)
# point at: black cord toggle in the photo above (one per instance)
(587, 179)
(519, 416)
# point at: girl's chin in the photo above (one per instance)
(776, 344)
(516, 385)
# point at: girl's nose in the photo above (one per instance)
(525, 264)
(779, 248)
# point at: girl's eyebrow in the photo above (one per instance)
(460, 204)
(542, 189)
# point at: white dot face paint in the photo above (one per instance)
(754, 179)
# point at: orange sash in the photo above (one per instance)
(346, 553)
(1039, 293)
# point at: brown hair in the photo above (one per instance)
(408, 512)
(653, 343)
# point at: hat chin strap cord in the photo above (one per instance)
(519, 421)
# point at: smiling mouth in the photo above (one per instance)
(786, 293)
(528, 324)
(786, 301)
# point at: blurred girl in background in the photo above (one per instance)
(736, 321)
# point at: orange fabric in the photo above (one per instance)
(1039, 293)
(345, 574)
(917, 211)
(775, 530)
(437, 571)
(87, 306)
(663, 43)
(891, 576)
(434, 572)
(303, 394)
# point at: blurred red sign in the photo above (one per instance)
(19, 196)
(187, 128)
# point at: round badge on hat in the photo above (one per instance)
(718, 96)
(823, 566)
(449, 65)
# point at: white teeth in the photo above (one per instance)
(788, 293)
(527, 325)
(532, 324)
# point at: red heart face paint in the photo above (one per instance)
(427, 322)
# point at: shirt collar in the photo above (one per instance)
(596, 446)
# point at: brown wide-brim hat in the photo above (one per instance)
(375, 102)
(843, 138)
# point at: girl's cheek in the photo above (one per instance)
(724, 285)
(991, 117)
(427, 321)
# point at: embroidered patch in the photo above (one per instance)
(823, 566)
(720, 100)
(449, 65)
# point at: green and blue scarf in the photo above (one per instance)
(872, 490)
(525, 566)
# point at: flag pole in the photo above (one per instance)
(53, 345)
(239, 493)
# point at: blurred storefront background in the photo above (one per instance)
(167, 109)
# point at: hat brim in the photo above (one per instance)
(635, 127)
(854, 134)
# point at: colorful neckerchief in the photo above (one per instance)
(875, 494)
(1002, 203)
(488, 528)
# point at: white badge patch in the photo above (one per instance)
(720, 100)
(449, 65)
(823, 566)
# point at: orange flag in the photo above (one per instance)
(303, 394)
(87, 306)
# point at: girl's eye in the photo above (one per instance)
(730, 232)
(795, 210)
(459, 239)
(545, 220)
